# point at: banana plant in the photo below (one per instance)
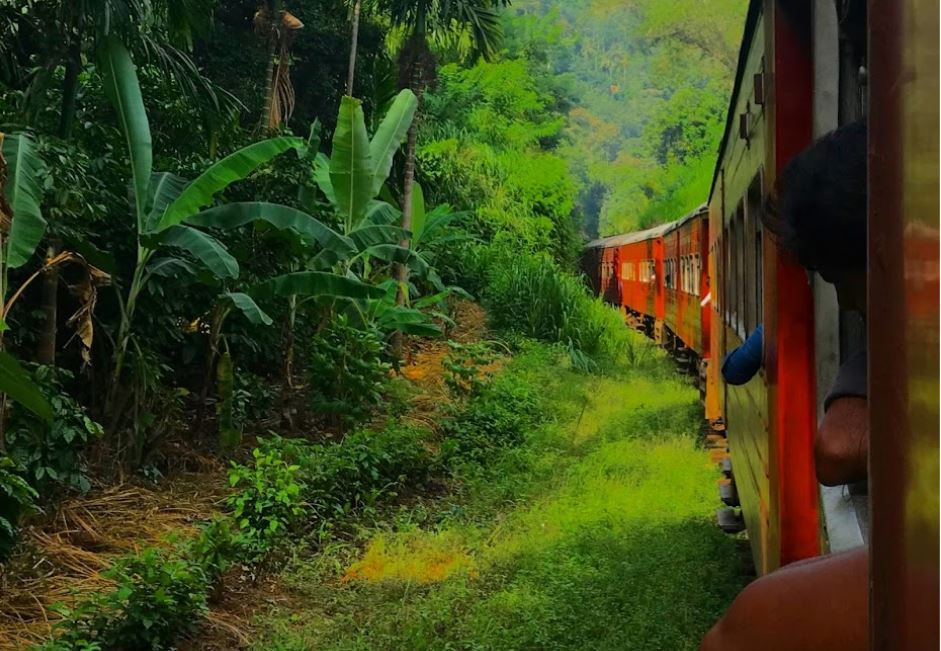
(171, 213)
(352, 178)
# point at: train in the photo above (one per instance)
(700, 284)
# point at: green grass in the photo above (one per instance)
(595, 533)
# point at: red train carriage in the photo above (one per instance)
(630, 268)
(685, 248)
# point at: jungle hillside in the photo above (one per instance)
(294, 348)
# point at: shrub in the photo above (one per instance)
(158, 595)
(51, 453)
(355, 472)
(463, 376)
(531, 295)
(218, 547)
(16, 498)
(497, 417)
(269, 499)
(346, 372)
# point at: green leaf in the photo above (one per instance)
(367, 236)
(395, 253)
(16, 383)
(418, 211)
(351, 169)
(219, 176)
(119, 80)
(25, 197)
(321, 176)
(248, 307)
(382, 213)
(233, 215)
(316, 283)
(165, 188)
(389, 137)
(205, 248)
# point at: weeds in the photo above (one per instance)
(531, 295)
(590, 530)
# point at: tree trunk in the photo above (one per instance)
(357, 7)
(73, 68)
(287, 367)
(46, 348)
(269, 88)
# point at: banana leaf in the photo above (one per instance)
(165, 188)
(247, 305)
(205, 248)
(17, 384)
(233, 215)
(389, 136)
(24, 196)
(119, 80)
(351, 169)
(315, 283)
(219, 176)
(401, 255)
(367, 236)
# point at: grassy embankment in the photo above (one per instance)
(594, 532)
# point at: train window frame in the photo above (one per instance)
(740, 269)
(754, 202)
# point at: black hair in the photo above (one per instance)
(819, 213)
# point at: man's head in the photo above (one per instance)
(819, 213)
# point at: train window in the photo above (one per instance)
(731, 275)
(753, 256)
(725, 275)
(741, 270)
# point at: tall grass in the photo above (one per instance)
(530, 295)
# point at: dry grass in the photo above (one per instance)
(426, 370)
(62, 556)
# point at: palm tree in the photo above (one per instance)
(425, 21)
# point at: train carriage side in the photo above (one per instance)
(684, 259)
(770, 421)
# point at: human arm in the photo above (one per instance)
(815, 605)
(743, 363)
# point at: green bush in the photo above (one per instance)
(346, 372)
(531, 295)
(218, 547)
(341, 477)
(51, 454)
(16, 498)
(497, 417)
(463, 376)
(269, 499)
(158, 596)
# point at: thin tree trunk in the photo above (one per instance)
(357, 7)
(274, 29)
(73, 68)
(287, 367)
(46, 348)
(269, 88)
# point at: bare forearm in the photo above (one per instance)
(817, 605)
